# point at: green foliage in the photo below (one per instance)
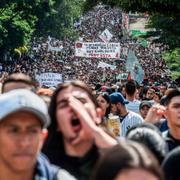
(168, 28)
(22, 19)
(169, 7)
(60, 23)
(172, 59)
(17, 22)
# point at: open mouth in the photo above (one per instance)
(76, 125)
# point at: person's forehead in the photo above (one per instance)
(21, 118)
(72, 91)
(175, 99)
(15, 85)
(145, 107)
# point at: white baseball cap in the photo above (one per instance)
(23, 99)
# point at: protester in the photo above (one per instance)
(104, 102)
(23, 119)
(171, 164)
(131, 90)
(151, 137)
(172, 114)
(128, 160)
(144, 108)
(18, 81)
(74, 137)
(127, 118)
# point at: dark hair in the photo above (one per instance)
(171, 94)
(53, 144)
(53, 104)
(171, 165)
(105, 95)
(131, 87)
(126, 155)
(19, 78)
(160, 95)
(150, 136)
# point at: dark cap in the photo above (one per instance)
(118, 98)
(145, 103)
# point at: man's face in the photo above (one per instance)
(173, 112)
(68, 123)
(150, 94)
(21, 139)
(143, 111)
(116, 109)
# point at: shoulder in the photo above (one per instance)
(135, 116)
(64, 175)
(44, 169)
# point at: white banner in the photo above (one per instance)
(106, 36)
(49, 79)
(97, 50)
(104, 65)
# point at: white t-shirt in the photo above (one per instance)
(133, 106)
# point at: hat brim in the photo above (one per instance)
(44, 120)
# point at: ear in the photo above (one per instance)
(166, 113)
(99, 113)
(44, 134)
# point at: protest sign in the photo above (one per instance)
(97, 50)
(49, 79)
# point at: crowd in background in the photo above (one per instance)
(40, 59)
(99, 127)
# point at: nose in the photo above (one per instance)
(24, 140)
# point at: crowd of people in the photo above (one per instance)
(92, 125)
(76, 132)
(41, 59)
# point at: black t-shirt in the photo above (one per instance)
(81, 168)
(170, 140)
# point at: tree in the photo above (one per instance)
(17, 22)
(168, 7)
(22, 19)
(61, 22)
(172, 59)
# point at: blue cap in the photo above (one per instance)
(118, 98)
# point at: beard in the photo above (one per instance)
(118, 112)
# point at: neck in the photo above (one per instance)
(130, 98)
(78, 150)
(123, 111)
(175, 132)
(9, 174)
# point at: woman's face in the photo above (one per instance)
(66, 115)
(139, 174)
(102, 103)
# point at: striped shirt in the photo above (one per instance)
(133, 106)
(130, 120)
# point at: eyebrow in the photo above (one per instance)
(18, 126)
(62, 100)
(176, 104)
